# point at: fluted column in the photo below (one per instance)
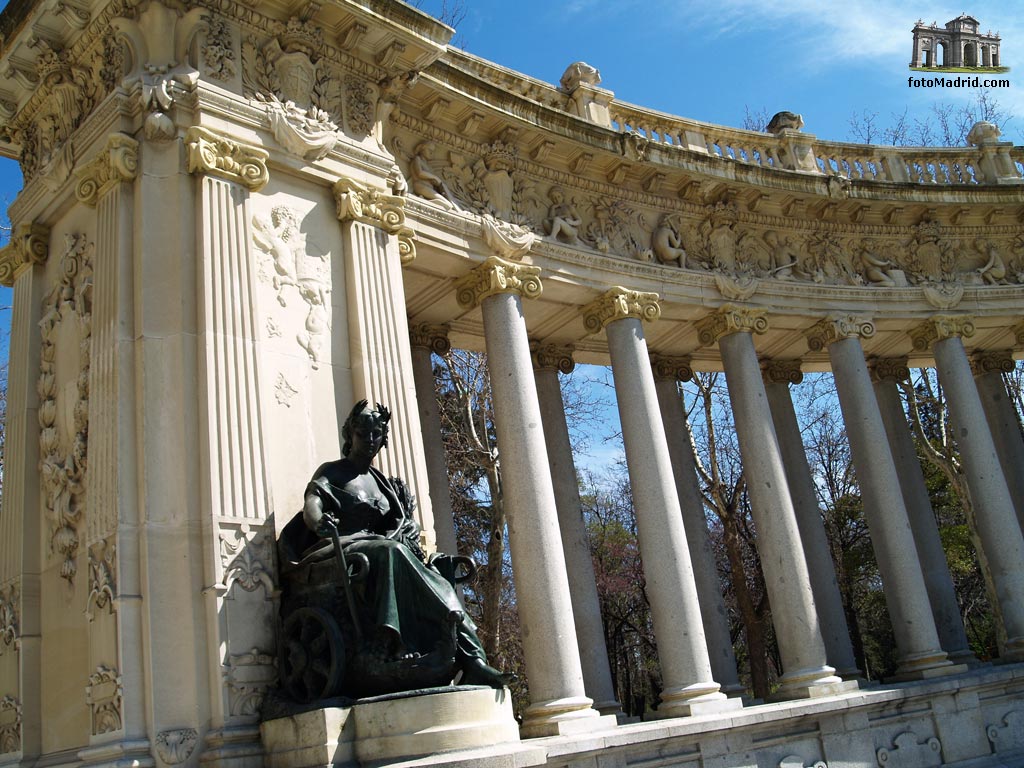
(1003, 421)
(941, 593)
(668, 371)
(994, 513)
(778, 375)
(558, 701)
(427, 339)
(689, 687)
(906, 596)
(548, 360)
(804, 661)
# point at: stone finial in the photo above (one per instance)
(119, 161)
(579, 73)
(940, 328)
(781, 371)
(983, 132)
(496, 276)
(889, 369)
(837, 328)
(217, 155)
(673, 368)
(992, 361)
(432, 337)
(785, 121)
(548, 357)
(730, 319)
(29, 244)
(619, 303)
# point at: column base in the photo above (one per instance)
(563, 717)
(611, 707)
(792, 684)
(698, 706)
(1013, 651)
(966, 656)
(736, 691)
(816, 690)
(923, 666)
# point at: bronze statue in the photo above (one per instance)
(352, 565)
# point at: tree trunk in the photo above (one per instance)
(490, 621)
(752, 623)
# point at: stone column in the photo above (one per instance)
(996, 519)
(1003, 421)
(778, 375)
(920, 654)
(668, 371)
(427, 339)
(558, 702)
(689, 687)
(806, 672)
(548, 360)
(377, 245)
(941, 594)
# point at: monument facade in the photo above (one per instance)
(956, 44)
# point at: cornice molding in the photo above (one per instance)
(620, 303)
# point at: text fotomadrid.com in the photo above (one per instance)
(956, 82)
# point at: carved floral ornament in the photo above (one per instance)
(29, 245)
(781, 371)
(10, 602)
(552, 357)
(620, 303)
(672, 368)
(10, 725)
(219, 156)
(102, 577)
(118, 162)
(833, 329)
(496, 276)
(730, 319)
(941, 328)
(360, 202)
(103, 695)
(175, 746)
(246, 560)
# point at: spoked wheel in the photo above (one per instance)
(313, 658)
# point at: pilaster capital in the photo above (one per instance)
(29, 244)
(619, 303)
(217, 155)
(547, 357)
(940, 328)
(730, 319)
(673, 368)
(1018, 332)
(360, 202)
(119, 161)
(992, 361)
(781, 371)
(889, 369)
(496, 276)
(432, 337)
(836, 328)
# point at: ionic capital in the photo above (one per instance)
(889, 369)
(730, 319)
(359, 202)
(119, 161)
(837, 328)
(940, 328)
(428, 336)
(217, 155)
(992, 361)
(619, 303)
(547, 357)
(672, 368)
(496, 276)
(781, 371)
(29, 244)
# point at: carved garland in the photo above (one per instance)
(63, 467)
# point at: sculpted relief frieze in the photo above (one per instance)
(10, 603)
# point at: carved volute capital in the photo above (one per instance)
(119, 161)
(219, 156)
(992, 361)
(1018, 332)
(730, 319)
(30, 244)
(889, 369)
(836, 328)
(429, 336)
(940, 328)
(781, 371)
(672, 368)
(496, 276)
(360, 202)
(547, 357)
(619, 303)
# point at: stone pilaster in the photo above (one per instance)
(778, 375)
(558, 700)
(920, 654)
(1003, 422)
(668, 371)
(373, 233)
(886, 373)
(804, 659)
(689, 686)
(994, 513)
(548, 360)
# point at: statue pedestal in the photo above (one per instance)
(391, 728)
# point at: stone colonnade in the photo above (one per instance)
(564, 645)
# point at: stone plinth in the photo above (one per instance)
(392, 728)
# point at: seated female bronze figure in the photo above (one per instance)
(410, 628)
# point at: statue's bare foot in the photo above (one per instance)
(477, 672)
